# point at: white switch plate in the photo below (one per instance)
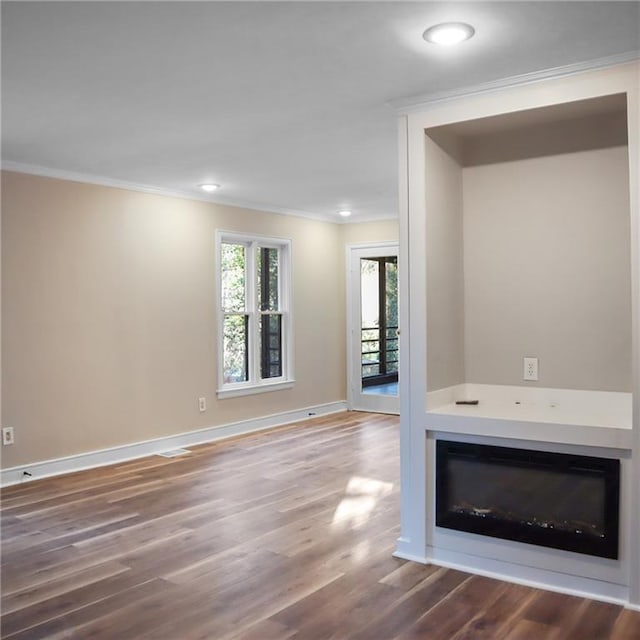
(7, 435)
(202, 404)
(530, 369)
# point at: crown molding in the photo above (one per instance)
(416, 103)
(86, 178)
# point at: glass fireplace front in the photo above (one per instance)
(556, 500)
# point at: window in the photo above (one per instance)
(255, 339)
(379, 315)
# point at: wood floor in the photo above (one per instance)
(283, 535)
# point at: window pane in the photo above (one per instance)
(235, 346)
(370, 294)
(267, 266)
(233, 262)
(253, 276)
(370, 346)
(370, 370)
(391, 284)
(271, 345)
(370, 334)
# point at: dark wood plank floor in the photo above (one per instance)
(282, 535)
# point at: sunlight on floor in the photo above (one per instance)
(361, 497)
(361, 552)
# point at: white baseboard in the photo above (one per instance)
(531, 576)
(409, 556)
(519, 574)
(404, 552)
(103, 457)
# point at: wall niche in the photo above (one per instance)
(528, 248)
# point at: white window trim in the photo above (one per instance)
(255, 385)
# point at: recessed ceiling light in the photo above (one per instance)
(345, 213)
(209, 188)
(448, 33)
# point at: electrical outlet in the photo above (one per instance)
(202, 404)
(530, 369)
(7, 435)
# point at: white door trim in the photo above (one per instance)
(353, 363)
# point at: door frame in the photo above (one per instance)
(356, 400)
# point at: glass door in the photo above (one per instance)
(373, 329)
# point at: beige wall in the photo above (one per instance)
(444, 247)
(109, 328)
(547, 270)
(382, 231)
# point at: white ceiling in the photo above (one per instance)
(285, 104)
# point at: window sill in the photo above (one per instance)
(249, 390)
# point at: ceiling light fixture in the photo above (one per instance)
(345, 213)
(209, 188)
(449, 33)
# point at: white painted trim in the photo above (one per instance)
(407, 471)
(405, 550)
(418, 505)
(372, 245)
(350, 321)
(285, 287)
(409, 556)
(633, 126)
(357, 401)
(252, 389)
(115, 183)
(418, 103)
(603, 591)
(569, 416)
(123, 453)
(541, 579)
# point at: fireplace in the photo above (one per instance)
(556, 500)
